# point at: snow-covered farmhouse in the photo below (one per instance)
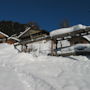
(59, 42)
(78, 34)
(32, 40)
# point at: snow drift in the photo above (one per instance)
(23, 71)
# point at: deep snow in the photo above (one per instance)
(23, 71)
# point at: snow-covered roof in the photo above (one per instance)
(24, 32)
(67, 30)
(87, 37)
(4, 34)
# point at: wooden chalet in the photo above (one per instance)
(74, 37)
(30, 36)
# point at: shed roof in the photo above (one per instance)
(24, 32)
(32, 31)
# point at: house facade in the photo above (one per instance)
(33, 40)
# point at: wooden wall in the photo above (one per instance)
(78, 40)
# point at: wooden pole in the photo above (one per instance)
(52, 47)
(56, 43)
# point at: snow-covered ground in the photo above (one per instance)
(23, 71)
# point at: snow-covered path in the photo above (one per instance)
(20, 71)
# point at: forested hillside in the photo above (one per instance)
(11, 28)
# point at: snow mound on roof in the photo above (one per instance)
(67, 30)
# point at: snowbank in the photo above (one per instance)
(21, 71)
(67, 30)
